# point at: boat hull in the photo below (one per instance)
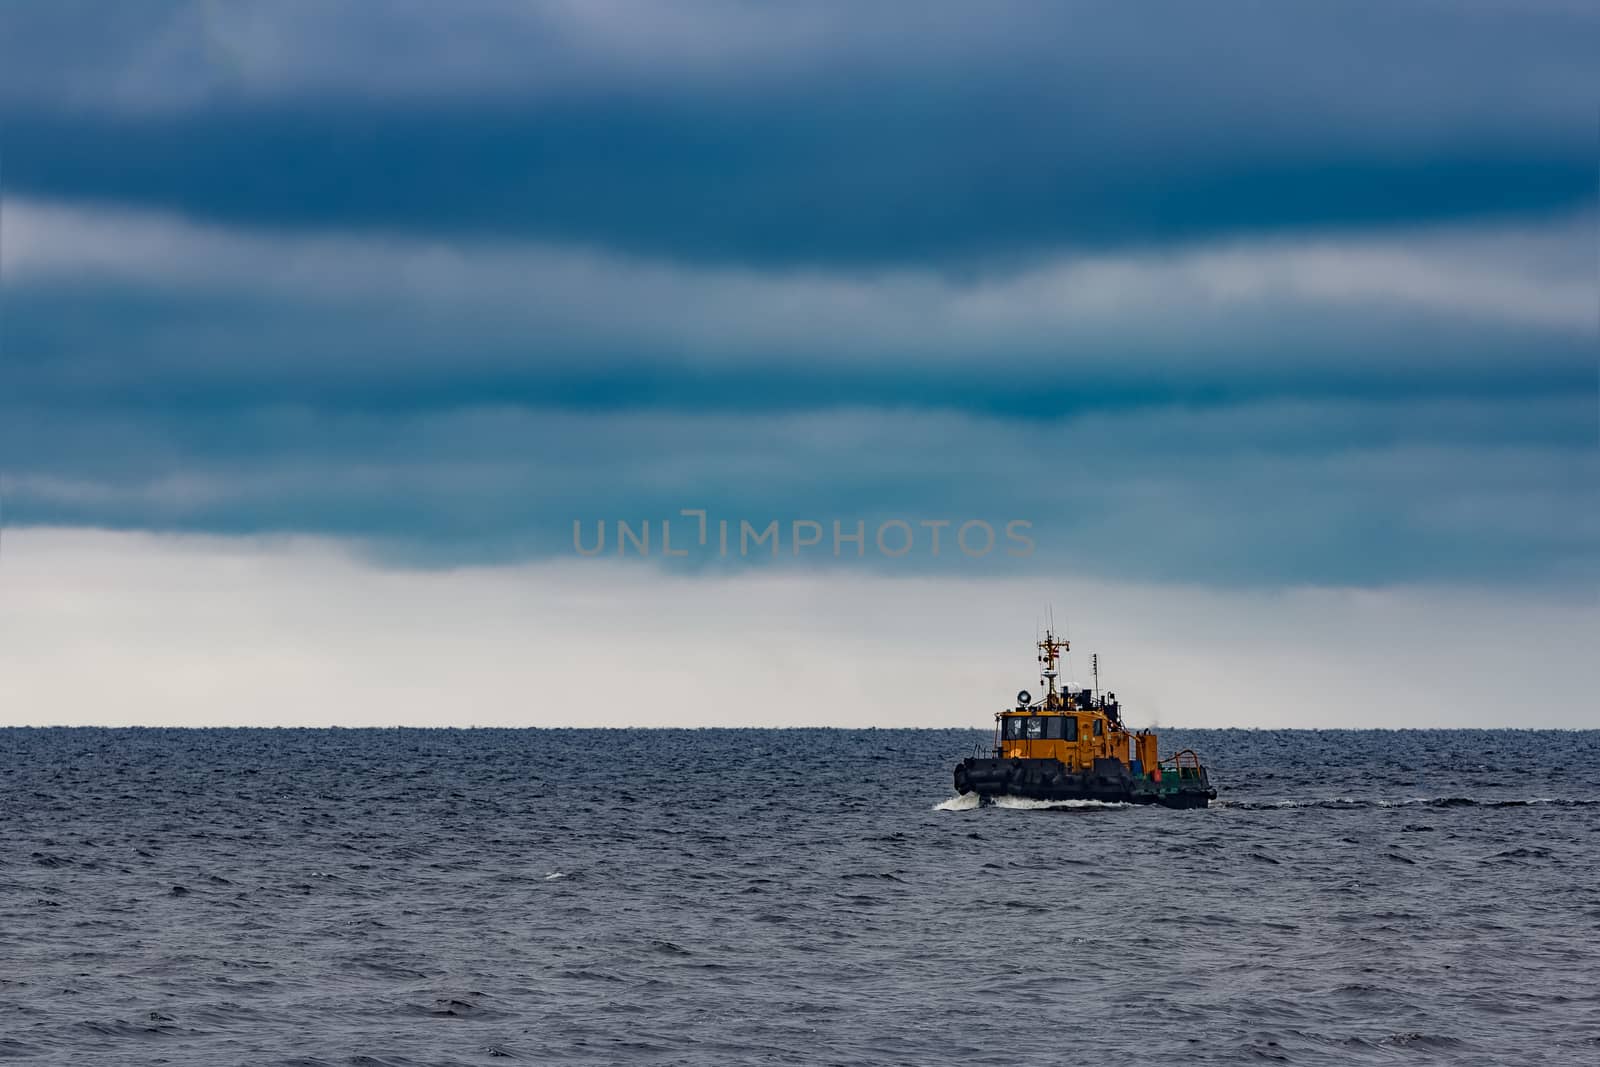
(1108, 781)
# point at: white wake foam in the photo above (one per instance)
(968, 801)
(1025, 804)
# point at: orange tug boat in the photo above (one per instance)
(1073, 745)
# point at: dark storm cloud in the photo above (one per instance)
(757, 185)
(1258, 493)
(90, 348)
(700, 132)
(1366, 409)
(111, 309)
(1241, 293)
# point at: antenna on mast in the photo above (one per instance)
(1050, 650)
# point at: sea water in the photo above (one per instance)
(411, 897)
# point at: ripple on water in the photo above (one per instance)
(400, 897)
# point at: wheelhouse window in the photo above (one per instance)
(1099, 727)
(1039, 728)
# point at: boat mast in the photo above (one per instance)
(1049, 651)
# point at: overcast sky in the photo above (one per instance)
(1274, 325)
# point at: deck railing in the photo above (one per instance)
(1185, 763)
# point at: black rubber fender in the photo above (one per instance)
(963, 785)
